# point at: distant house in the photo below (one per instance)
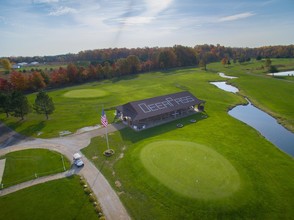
(22, 64)
(15, 66)
(150, 112)
(34, 63)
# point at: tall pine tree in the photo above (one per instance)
(19, 104)
(44, 104)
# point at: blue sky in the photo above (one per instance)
(52, 27)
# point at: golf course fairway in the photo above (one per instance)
(85, 93)
(190, 169)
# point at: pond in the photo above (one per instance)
(286, 73)
(262, 122)
(224, 86)
(266, 125)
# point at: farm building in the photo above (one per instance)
(150, 112)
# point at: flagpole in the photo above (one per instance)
(107, 138)
(105, 124)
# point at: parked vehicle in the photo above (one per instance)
(77, 158)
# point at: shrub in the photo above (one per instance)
(83, 182)
(87, 190)
(92, 198)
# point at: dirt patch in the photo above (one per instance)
(117, 184)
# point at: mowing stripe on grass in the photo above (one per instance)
(190, 169)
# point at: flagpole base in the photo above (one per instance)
(108, 152)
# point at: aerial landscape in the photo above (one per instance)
(147, 109)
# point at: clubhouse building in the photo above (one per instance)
(151, 112)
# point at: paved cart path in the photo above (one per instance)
(68, 145)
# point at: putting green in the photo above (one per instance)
(85, 93)
(190, 169)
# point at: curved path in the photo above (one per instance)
(109, 200)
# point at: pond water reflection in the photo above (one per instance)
(266, 125)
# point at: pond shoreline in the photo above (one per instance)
(261, 121)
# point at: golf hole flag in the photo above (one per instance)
(104, 121)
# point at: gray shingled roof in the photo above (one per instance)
(147, 108)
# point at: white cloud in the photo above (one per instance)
(152, 9)
(45, 1)
(62, 10)
(236, 17)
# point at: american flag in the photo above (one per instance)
(104, 121)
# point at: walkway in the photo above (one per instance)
(109, 200)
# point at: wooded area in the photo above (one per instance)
(91, 65)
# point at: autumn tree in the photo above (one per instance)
(224, 61)
(19, 104)
(167, 59)
(44, 104)
(122, 66)
(134, 64)
(36, 81)
(59, 77)
(19, 81)
(5, 85)
(5, 63)
(72, 72)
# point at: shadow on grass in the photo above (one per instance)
(33, 129)
(129, 134)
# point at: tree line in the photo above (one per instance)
(210, 53)
(16, 104)
(93, 65)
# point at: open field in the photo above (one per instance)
(58, 199)
(73, 113)
(260, 175)
(25, 165)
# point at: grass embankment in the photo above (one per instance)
(29, 164)
(58, 199)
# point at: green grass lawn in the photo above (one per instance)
(80, 106)
(190, 169)
(261, 184)
(265, 189)
(25, 165)
(58, 199)
(85, 93)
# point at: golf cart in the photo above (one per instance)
(77, 158)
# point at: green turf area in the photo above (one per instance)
(190, 169)
(58, 199)
(85, 93)
(265, 173)
(25, 165)
(74, 113)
